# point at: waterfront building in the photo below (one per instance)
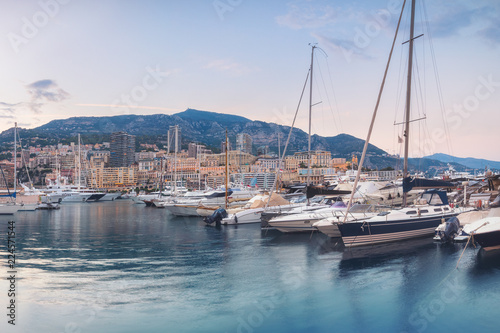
(171, 137)
(244, 143)
(8, 173)
(236, 158)
(262, 180)
(122, 149)
(262, 150)
(113, 177)
(266, 164)
(317, 175)
(223, 146)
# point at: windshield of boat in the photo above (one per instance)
(298, 199)
(432, 198)
(316, 199)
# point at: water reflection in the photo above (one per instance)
(141, 266)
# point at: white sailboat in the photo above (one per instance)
(11, 207)
(418, 220)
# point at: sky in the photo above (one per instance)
(67, 58)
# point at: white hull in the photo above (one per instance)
(330, 229)
(9, 209)
(28, 207)
(110, 196)
(295, 226)
(77, 197)
(300, 222)
(182, 210)
(137, 199)
(52, 198)
(244, 217)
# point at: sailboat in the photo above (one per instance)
(11, 207)
(418, 220)
(303, 222)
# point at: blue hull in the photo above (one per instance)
(488, 239)
(359, 233)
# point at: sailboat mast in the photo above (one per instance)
(408, 97)
(79, 163)
(15, 161)
(227, 172)
(175, 158)
(310, 115)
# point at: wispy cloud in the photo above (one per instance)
(479, 18)
(335, 27)
(344, 46)
(227, 65)
(450, 23)
(44, 91)
(491, 34)
(305, 15)
(8, 108)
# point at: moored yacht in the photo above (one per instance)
(303, 222)
(358, 212)
(413, 221)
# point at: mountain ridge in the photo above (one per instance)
(469, 162)
(208, 128)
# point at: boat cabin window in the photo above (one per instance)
(383, 213)
(423, 211)
(446, 208)
(437, 210)
(432, 198)
(410, 212)
(316, 199)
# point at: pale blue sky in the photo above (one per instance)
(250, 58)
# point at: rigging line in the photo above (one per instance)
(276, 180)
(417, 99)
(327, 95)
(418, 83)
(424, 59)
(365, 148)
(334, 96)
(438, 81)
(23, 159)
(401, 76)
(318, 91)
(404, 74)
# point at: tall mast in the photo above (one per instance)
(199, 165)
(310, 113)
(408, 98)
(79, 163)
(175, 159)
(15, 161)
(227, 163)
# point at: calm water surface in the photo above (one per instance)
(120, 267)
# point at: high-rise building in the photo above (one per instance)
(244, 143)
(192, 150)
(122, 150)
(262, 150)
(223, 146)
(171, 137)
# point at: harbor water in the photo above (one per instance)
(122, 267)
